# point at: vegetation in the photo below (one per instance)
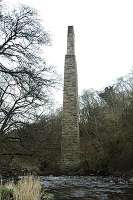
(6, 193)
(106, 127)
(25, 80)
(24, 75)
(28, 188)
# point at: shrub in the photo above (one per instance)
(6, 193)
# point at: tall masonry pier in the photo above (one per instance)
(70, 142)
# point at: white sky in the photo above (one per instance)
(104, 36)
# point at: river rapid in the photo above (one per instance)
(89, 187)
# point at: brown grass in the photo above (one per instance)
(28, 188)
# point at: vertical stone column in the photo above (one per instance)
(70, 142)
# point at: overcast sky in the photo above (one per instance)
(104, 36)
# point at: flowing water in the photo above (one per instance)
(89, 188)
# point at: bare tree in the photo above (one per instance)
(0, 8)
(24, 75)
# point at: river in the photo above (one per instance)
(89, 188)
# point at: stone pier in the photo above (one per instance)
(70, 141)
